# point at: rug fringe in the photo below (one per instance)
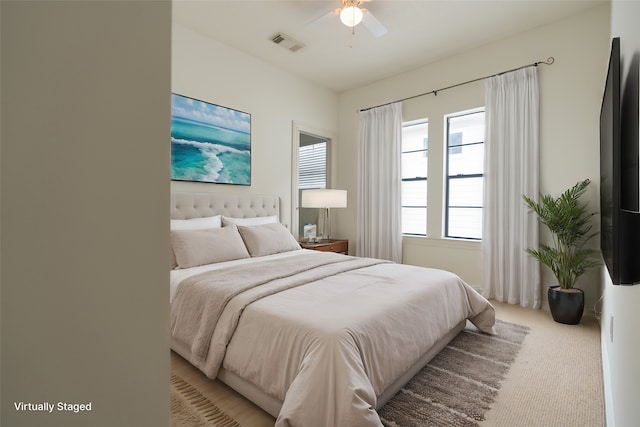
(209, 411)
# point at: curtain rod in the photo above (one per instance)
(549, 61)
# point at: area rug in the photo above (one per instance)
(189, 408)
(459, 385)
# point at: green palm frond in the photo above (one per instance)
(568, 221)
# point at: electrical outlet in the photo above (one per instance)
(611, 328)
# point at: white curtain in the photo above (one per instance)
(379, 230)
(511, 170)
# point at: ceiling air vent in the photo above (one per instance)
(287, 42)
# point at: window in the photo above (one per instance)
(464, 177)
(312, 166)
(414, 177)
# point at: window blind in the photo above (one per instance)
(312, 166)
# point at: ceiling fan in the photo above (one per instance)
(351, 15)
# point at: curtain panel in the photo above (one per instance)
(511, 170)
(379, 229)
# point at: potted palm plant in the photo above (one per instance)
(567, 257)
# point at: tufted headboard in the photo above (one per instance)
(197, 205)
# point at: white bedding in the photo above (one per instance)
(330, 347)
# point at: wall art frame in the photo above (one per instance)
(209, 143)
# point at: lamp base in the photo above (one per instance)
(324, 224)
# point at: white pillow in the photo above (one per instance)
(197, 223)
(267, 239)
(200, 247)
(227, 220)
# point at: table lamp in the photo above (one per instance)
(324, 199)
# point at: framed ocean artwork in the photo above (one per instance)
(209, 143)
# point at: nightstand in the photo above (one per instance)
(339, 246)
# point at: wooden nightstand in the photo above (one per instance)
(339, 246)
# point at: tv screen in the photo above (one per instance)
(610, 165)
(619, 177)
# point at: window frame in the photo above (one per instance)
(447, 177)
(425, 150)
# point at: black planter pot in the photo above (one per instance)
(566, 305)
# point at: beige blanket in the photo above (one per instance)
(328, 348)
(201, 299)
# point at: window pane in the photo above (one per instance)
(414, 221)
(414, 164)
(471, 126)
(466, 159)
(465, 192)
(414, 136)
(465, 223)
(414, 193)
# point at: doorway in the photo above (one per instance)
(311, 169)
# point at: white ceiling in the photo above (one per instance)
(419, 32)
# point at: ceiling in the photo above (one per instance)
(419, 32)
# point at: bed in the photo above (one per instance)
(314, 338)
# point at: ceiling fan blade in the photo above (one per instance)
(374, 26)
(327, 16)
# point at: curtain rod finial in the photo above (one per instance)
(550, 60)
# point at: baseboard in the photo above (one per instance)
(606, 379)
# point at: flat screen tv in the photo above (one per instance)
(620, 219)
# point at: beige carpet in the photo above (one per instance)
(556, 380)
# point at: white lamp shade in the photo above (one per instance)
(324, 198)
(351, 16)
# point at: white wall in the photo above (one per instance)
(85, 196)
(620, 311)
(205, 69)
(570, 93)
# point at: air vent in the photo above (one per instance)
(287, 42)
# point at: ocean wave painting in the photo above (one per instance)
(209, 143)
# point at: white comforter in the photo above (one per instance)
(328, 348)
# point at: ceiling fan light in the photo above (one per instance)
(351, 16)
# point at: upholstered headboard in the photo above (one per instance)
(197, 205)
